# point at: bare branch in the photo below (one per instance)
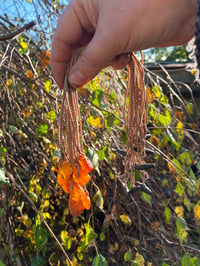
(17, 32)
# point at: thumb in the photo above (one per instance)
(98, 54)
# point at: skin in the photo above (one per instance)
(110, 30)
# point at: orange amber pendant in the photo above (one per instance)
(73, 181)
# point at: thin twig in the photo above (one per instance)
(17, 32)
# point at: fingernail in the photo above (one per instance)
(77, 78)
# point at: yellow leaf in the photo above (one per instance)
(95, 122)
(189, 108)
(24, 45)
(8, 82)
(179, 211)
(139, 260)
(125, 219)
(196, 210)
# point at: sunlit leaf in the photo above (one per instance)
(189, 107)
(156, 91)
(24, 45)
(163, 120)
(196, 210)
(179, 211)
(3, 178)
(42, 130)
(51, 115)
(97, 96)
(8, 82)
(47, 85)
(95, 122)
(89, 236)
(98, 199)
(164, 100)
(168, 116)
(187, 261)
(93, 157)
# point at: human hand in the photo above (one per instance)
(110, 29)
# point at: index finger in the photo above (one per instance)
(70, 32)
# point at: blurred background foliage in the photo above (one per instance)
(156, 223)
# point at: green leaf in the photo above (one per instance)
(187, 261)
(98, 199)
(99, 260)
(1, 263)
(89, 236)
(167, 214)
(146, 197)
(94, 159)
(110, 121)
(97, 97)
(1, 211)
(66, 239)
(181, 227)
(103, 153)
(157, 91)
(51, 115)
(165, 264)
(164, 100)
(186, 158)
(111, 96)
(163, 120)
(177, 165)
(41, 238)
(42, 130)
(168, 116)
(180, 189)
(128, 255)
(33, 196)
(38, 261)
(189, 108)
(102, 236)
(3, 179)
